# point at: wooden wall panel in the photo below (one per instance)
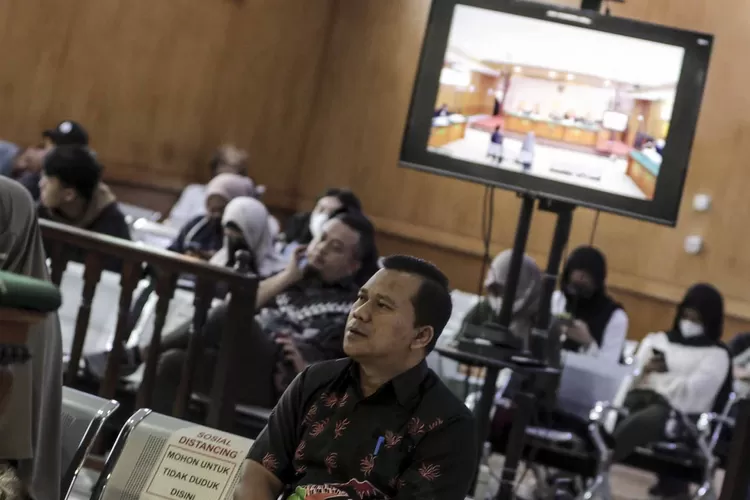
(160, 84)
(355, 135)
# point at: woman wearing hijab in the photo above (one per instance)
(202, 236)
(525, 309)
(227, 159)
(598, 325)
(303, 227)
(526, 304)
(245, 223)
(686, 368)
(30, 431)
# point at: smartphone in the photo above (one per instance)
(302, 262)
(659, 356)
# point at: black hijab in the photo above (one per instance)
(596, 309)
(709, 303)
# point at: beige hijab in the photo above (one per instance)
(30, 431)
(252, 218)
(528, 293)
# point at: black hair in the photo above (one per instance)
(589, 259)
(357, 221)
(348, 199)
(432, 302)
(707, 301)
(74, 167)
(367, 250)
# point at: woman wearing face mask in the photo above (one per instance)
(595, 324)
(303, 227)
(526, 304)
(202, 236)
(525, 309)
(686, 368)
(245, 223)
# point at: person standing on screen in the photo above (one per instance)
(496, 145)
(526, 158)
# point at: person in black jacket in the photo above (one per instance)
(71, 192)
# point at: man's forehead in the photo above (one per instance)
(339, 230)
(398, 285)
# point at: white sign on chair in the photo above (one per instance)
(197, 464)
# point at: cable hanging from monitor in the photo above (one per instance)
(593, 228)
(488, 213)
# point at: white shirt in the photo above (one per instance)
(613, 337)
(694, 377)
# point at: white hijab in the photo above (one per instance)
(252, 219)
(30, 430)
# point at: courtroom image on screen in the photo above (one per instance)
(560, 102)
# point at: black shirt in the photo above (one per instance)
(412, 439)
(110, 222)
(201, 232)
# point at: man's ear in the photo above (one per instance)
(356, 265)
(69, 194)
(423, 337)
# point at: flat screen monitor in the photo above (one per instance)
(614, 121)
(569, 105)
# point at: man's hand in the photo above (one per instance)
(579, 331)
(270, 287)
(257, 483)
(295, 270)
(290, 352)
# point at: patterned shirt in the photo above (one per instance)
(411, 439)
(314, 314)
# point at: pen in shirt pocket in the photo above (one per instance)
(377, 446)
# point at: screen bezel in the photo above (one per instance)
(662, 209)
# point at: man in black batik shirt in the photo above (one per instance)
(377, 425)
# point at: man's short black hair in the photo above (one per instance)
(432, 302)
(348, 199)
(74, 167)
(362, 225)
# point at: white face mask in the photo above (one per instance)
(316, 223)
(496, 303)
(690, 329)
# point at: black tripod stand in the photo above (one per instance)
(531, 365)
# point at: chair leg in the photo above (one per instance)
(706, 491)
(598, 487)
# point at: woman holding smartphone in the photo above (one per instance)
(594, 323)
(686, 368)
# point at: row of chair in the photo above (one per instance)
(135, 453)
(694, 447)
